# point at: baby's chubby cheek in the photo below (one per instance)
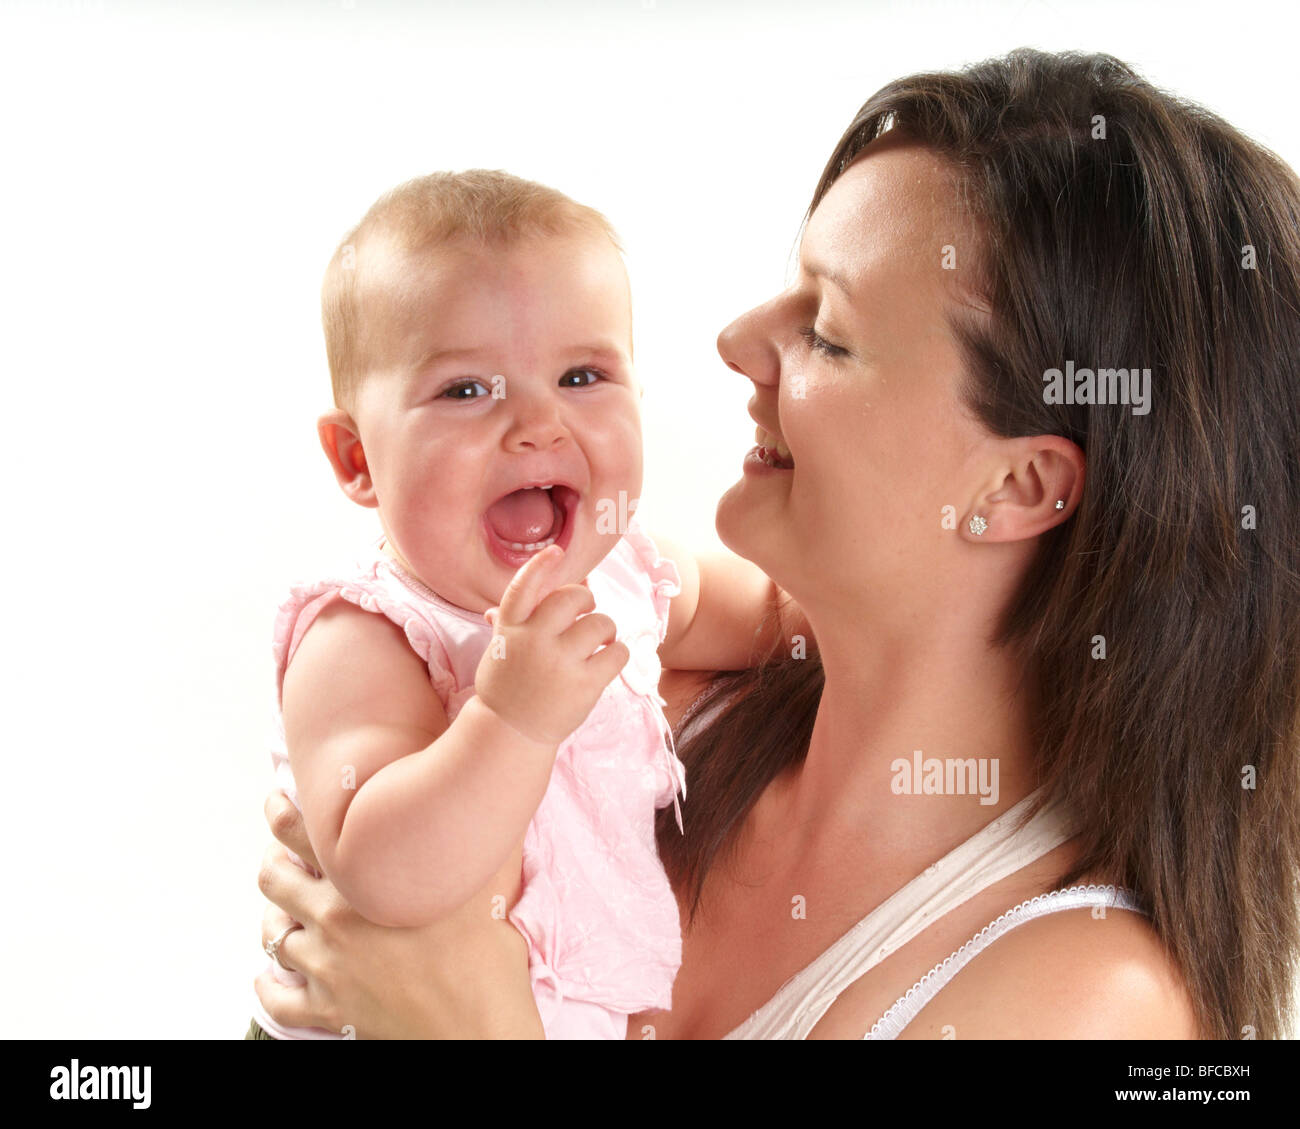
(614, 463)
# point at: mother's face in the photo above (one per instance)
(854, 366)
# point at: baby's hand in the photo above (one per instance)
(539, 673)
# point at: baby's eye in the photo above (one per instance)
(465, 390)
(568, 381)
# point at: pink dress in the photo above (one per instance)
(596, 910)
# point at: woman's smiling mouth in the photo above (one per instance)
(770, 452)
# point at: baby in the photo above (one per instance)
(468, 713)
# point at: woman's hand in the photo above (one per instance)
(462, 978)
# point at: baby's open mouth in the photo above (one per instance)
(526, 521)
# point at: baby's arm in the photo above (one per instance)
(408, 816)
(729, 615)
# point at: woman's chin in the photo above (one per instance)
(742, 526)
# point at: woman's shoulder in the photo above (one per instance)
(1073, 974)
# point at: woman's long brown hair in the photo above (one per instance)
(1121, 227)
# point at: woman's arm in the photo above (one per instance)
(729, 614)
(381, 982)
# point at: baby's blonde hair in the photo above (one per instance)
(487, 206)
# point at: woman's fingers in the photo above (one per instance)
(274, 923)
(288, 1003)
(285, 883)
(287, 826)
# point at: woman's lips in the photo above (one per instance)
(773, 446)
(771, 453)
(765, 460)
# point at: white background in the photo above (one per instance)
(175, 179)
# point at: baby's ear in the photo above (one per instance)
(340, 439)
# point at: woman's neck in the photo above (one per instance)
(920, 740)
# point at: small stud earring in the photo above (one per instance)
(978, 525)
(1060, 503)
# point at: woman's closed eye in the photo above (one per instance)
(819, 344)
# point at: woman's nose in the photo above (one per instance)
(747, 348)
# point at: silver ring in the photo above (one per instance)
(271, 948)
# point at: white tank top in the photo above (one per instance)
(993, 853)
(909, 1006)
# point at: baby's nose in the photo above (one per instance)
(538, 427)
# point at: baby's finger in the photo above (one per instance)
(605, 665)
(528, 586)
(561, 607)
(590, 632)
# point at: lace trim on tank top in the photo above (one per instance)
(908, 1007)
(694, 718)
(997, 850)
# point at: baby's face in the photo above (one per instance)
(498, 372)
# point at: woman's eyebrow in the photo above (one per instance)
(818, 270)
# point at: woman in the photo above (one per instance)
(1116, 664)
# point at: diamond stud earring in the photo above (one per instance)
(978, 525)
(1060, 503)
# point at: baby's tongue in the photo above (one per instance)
(524, 517)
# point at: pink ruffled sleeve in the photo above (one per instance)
(665, 580)
(306, 601)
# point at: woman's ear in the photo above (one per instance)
(340, 439)
(1037, 486)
